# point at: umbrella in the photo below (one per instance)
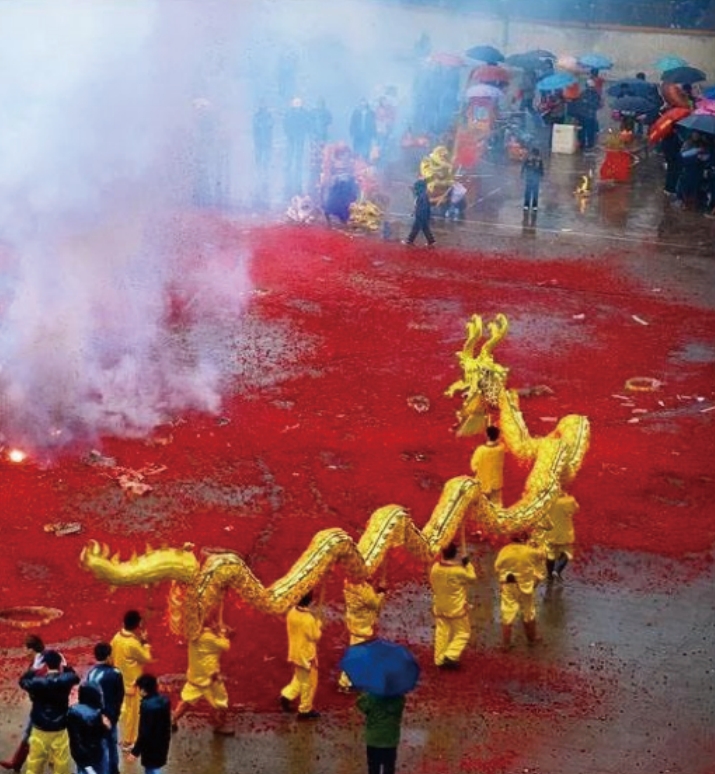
(700, 122)
(595, 61)
(705, 107)
(633, 87)
(489, 74)
(555, 81)
(487, 54)
(483, 90)
(570, 64)
(446, 59)
(709, 93)
(666, 63)
(530, 60)
(380, 667)
(666, 123)
(634, 105)
(683, 75)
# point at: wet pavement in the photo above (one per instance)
(644, 650)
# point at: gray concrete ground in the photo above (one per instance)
(645, 648)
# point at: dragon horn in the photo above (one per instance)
(497, 330)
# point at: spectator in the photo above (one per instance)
(87, 727)
(111, 683)
(154, 737)
(363, 129)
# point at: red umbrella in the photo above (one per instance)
(666, 124)
(446, 59)
(489, 74)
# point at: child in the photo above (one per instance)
(532, 170)
(383, 718)
(423, 213)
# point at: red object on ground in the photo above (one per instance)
(616, 166)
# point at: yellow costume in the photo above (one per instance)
(560, 538)
(519, 569)
(49, 747)
(304, 632)
(488, 467)
(203, 677)
(449, 580)
(362, 609)
(129, 655)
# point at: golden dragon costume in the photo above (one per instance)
(200, 586)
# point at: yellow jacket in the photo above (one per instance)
(304, 631)
(129, 656)
(205, 658)
(449, 580)
(362, 608)
(561, 518)
(526, 564)
(488, 466)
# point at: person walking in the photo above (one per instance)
(532, 171)
(450, 578)
(362, 609)
(519, 568)
(49, 690)
(488, 466)
(154, 735)
(383, 721)
(110, 682)
(423, 214)
(304, 633)
(203, 676)
(131, 651)
(560, 538)
(87, 727)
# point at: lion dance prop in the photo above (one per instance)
(199, 587)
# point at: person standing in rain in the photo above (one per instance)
(488, 466)
(423, 214)
(450, 577)
(519, 569)
(296, 125)
(363, 129)
(154, 736)
(383, 721)
(304, 633)
(111, 684)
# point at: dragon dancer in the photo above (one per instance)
(488, 466)
(450, 577)
(304, 633)
(203, 676)
(560, 538)
(362, 609)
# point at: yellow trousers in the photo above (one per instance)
(214, 693)
(129, 719)
(304, 685)
(51, 747)
(451, 637)
(514, 601)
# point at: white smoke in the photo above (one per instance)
(97, 150)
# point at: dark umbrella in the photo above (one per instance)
(380, 667)
(487, 54)
(633, 87)
(530, 60)
(698, 122)
(683, 75)
(633, 105)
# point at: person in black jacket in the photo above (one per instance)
(109, 680)
(423, 214)
(87, 728)
(49, 694)
(152, 745)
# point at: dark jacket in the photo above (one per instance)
(383, 718)
(423, 207)
(532, 169)
(49, 695)
(110, 682)
(152, 744)
(86, 729)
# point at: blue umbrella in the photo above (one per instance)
(709, 93)
(666, 63)
(556, 81)
(380, 667)
(633, 87)
(596, 61)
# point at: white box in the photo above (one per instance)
(564, 138)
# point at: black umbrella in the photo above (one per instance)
(525, 61)
(683, 75)
(698, 122)
(633, 105)
(633, 87)
(487, 54)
